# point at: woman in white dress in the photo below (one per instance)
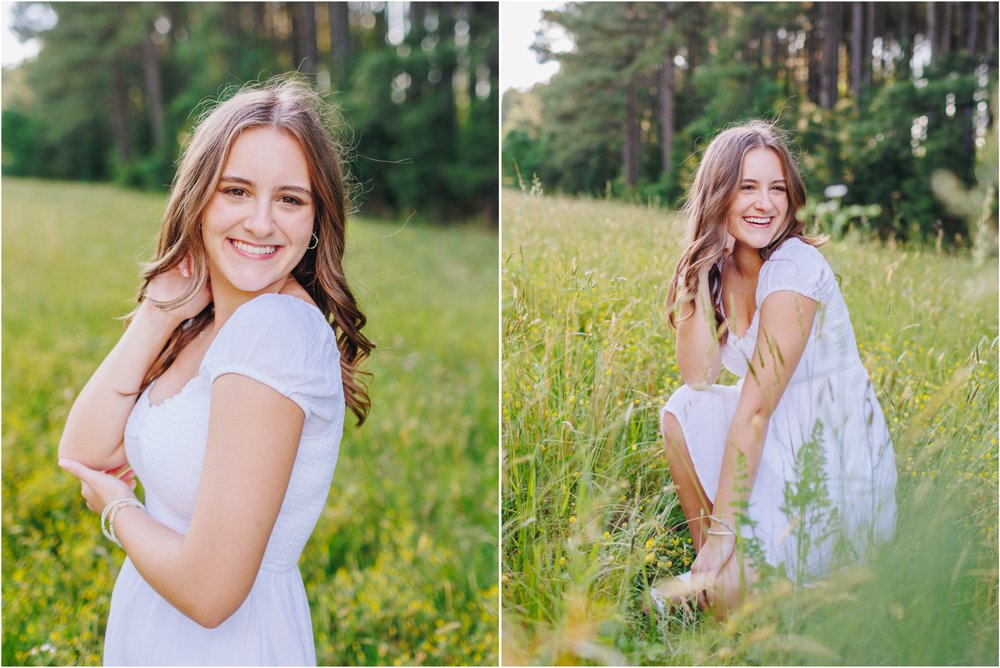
(227, 392)
(793, 465)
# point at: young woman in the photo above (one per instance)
(795, 460)
(226, 394)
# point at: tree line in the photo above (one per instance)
(879, 96)
(111, 94)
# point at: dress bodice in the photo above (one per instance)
(286, 344)
(831, 347)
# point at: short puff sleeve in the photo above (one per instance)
(285, 343)
(794, 266)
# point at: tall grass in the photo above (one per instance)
(589, 515)
(401, 569)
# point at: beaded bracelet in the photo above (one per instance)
(109, 514)
(730, 532)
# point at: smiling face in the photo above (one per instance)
(260, 219)
(759, 209)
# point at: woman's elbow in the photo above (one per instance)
(72, 448)
(68, 449)
(211, 620)
(211, 612)
(698, 376)
(66, 444)
(214, 598)
(699, 368)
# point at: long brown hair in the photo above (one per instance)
(707, 204)
(288, 104)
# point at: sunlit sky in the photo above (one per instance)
(519, 67)
(14, 51)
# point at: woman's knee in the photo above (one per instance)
(670, 428)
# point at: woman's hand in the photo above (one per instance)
(712, 557)
(100, 488)
(170, 285)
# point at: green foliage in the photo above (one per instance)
(834, 220)
(401, 568)
(978, 204)
(734, 62)
(92, 100)
(807, 500)
(20, 133)
(522, 156)
(589, 514)
(870, 148)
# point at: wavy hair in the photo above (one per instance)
(288, 104)
(707, 203)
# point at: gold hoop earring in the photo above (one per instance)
(313, 243)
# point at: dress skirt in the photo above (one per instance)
(824, 490)
(271, 627)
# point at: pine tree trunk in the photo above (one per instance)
(957, 26)
(154, 90)
(490, 13)
(472, 16)
(867, 75)
(857, 41)
(905, 37)
(945, 44)
(119, 113)
(340, 42)
(261, 26)
(482, 15)
(274, 43)
(932, 29)
(991, 36)
(831, 51)
(448, 64)
(668, 84)
(813, 55)
(630, 149)
(304, 50)
(970, 44)
(417, 12)
(695, 37)
(630, 145)
(991, 33)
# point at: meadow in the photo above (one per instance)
(589, 516)
(402, 567)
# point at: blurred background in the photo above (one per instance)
(402, 566)
(110, 93)
(891, 100)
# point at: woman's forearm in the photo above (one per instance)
(698, 353)
(207, 587)
(786, 318)
(740, 462)
(96, 422)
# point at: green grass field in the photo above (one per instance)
(402, 566)
(588, 512)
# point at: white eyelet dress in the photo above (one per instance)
(287, 344)
(829, 405)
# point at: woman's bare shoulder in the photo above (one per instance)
(294, 289)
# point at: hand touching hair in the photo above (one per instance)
(705, 210)
(290, 105)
